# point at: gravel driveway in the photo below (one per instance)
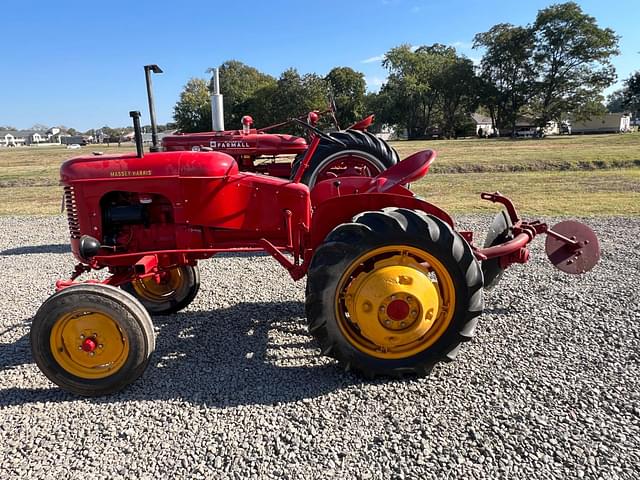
(550, 387)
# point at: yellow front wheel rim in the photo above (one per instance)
(156, 289)
(89, 344)
(395, 302)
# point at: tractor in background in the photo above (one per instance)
(356, 153)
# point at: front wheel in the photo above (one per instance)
(394, 292)
(167, 292)
(92, 339)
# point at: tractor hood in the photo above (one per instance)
(162, 164)
(237, 143)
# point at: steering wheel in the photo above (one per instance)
(319, 132)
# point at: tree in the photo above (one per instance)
(238, 84)
(626, 99)
(39, 127)
(573, 57)
(457, 84)
(427, 87)
(348, 88)
(615, 102)
(632, 92)
(296, 95)
(192, 112)
(507, 71)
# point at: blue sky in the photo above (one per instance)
(80, 64)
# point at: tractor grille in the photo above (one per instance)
(72, 212)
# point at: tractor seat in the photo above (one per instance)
(408, 170)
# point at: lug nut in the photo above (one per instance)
(382, 308)
(387, 322)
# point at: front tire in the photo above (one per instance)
(174, 290)
(394, 292)
(92, 339)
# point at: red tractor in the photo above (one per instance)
(358, 152)
(392, 287)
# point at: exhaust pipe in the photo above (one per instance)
(217, 108)
(137, 132)
(148, 69)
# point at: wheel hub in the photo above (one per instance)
(159, 287)
(88, 344)
(394, 304)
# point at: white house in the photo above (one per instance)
(13, 138)
(484, 125)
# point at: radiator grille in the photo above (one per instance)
(72, 212)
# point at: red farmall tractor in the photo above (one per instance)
(358, 152)
(392, 287)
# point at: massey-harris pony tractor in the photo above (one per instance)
(392, 287)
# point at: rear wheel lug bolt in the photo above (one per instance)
(382, 308)
(387, 322)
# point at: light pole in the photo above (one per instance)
(152, 109)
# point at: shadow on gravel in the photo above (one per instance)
(16, 353)
(247, 354)
(30, 249)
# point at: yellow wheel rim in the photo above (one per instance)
(395, 301)
(156, 289)
(89, 344)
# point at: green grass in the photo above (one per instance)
(575, 175)
(582, 193)
(576, 152)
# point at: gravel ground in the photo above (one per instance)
(548, 389)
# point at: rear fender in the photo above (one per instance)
(362, 124)
(337, 210)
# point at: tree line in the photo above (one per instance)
(555, 68)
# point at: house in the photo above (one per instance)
(13, 138)
(609, 123)
(483, 126)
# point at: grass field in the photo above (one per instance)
(576, 175)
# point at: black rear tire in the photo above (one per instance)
(372, 151)
(329, 287)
